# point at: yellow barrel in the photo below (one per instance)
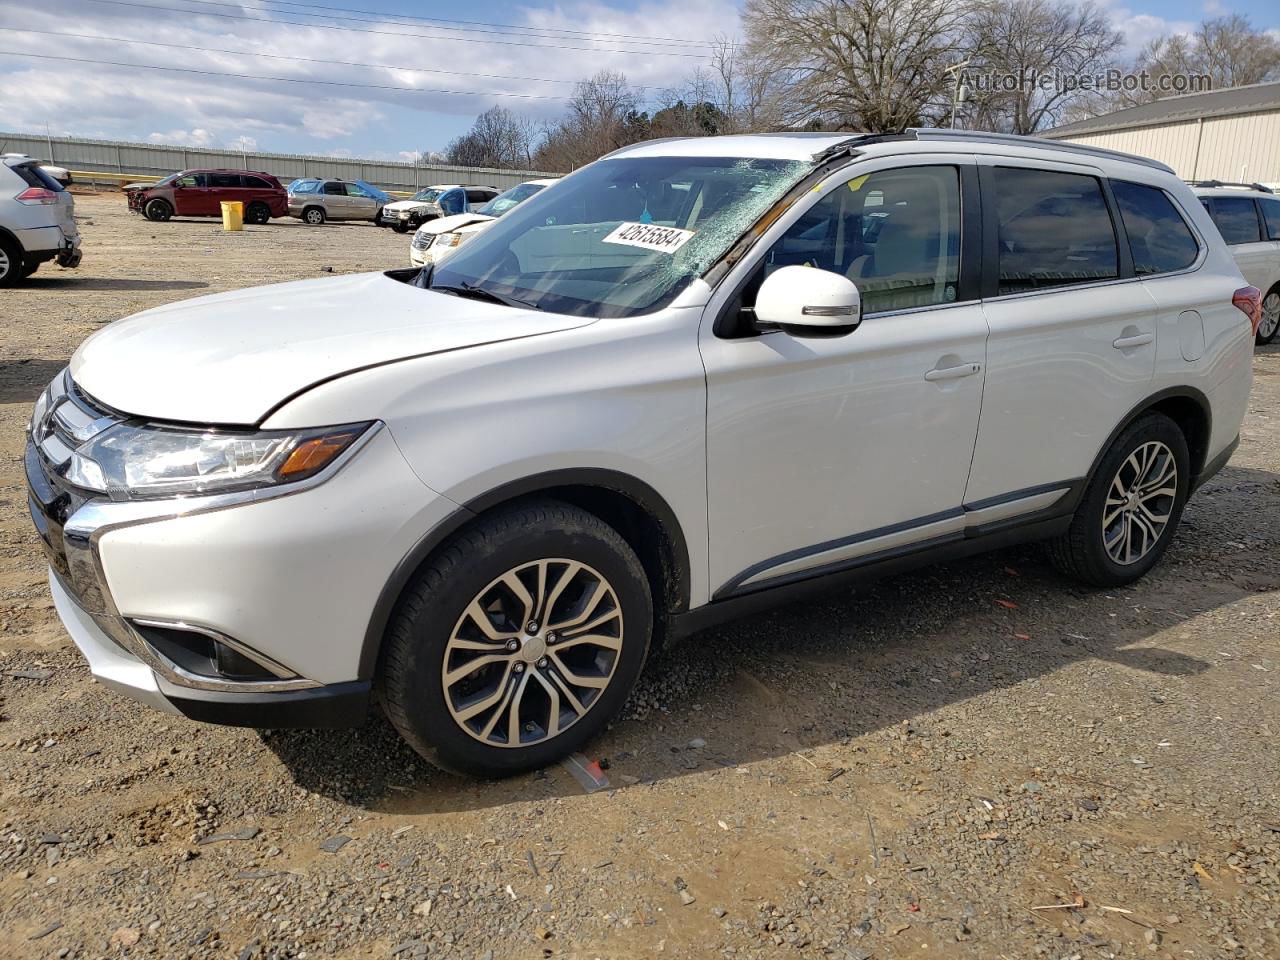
(232, 215)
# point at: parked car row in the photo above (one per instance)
(433, 202)
(442, 235)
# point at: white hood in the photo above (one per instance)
(409, 205)
(230, 358)
(455, 222)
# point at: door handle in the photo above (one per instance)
(1138, 340)
(953, 373)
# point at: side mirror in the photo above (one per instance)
(808, 302)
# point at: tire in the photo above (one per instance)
(435, 614)
(157, 210)
(1144, 447)
(314, 216)
(400, 226)
(1270, 325)
(28, 269)
(258, 213)
(10, 262)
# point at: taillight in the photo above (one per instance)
(1248, 300)
(33, 195)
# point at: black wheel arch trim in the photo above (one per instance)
(640, 493)
(1169, 393)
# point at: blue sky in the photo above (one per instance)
(444, 76)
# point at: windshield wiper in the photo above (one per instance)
(465, 289)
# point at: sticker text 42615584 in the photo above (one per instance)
(649, 236)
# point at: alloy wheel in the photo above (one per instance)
(532, 653)
(1139, 502)
(1270, 316)
(5, 263)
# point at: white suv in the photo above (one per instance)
(1248, 216)
(695, 377)
(37, 220)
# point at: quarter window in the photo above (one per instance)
(1159, 238)
(1237, 218)
(335, 189)
(225, 180)
(895, 233)
(1271, 215)
(1054, 230)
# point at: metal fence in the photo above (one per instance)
(113, 158)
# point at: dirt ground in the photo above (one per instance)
(980, 760)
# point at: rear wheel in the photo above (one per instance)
(28, 269)
(1270, 324)
(1131, 508)
(313, 216)
(157, 210)
(518, 641)
(10, 262)
(257, 212)
(400, 226)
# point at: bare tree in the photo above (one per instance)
(1026, 41)
(874, 65)
(603, 115)
(498, 138)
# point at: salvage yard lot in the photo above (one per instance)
(979, 760)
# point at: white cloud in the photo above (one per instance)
(1138, 29)
(194, 108)
(183, 138)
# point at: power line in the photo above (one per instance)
(251, 76)
(397, 33)
(504, 29)
(281, 56)
(594, 34)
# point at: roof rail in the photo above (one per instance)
(938, 133)
(1230, 183)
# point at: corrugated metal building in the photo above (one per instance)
(1231, 134)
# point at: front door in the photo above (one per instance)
(190, 195)
(360, 204)
(827, 453)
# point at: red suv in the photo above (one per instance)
(199, 193)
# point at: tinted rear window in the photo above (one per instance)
(1237, 218)
(256, 183)
(1159, 238)
(1271, 214)
(33, 176)
(224, 180)
(1055, 230)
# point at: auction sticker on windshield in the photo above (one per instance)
(649, 236)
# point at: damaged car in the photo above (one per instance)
(431, 203)
(440, 237)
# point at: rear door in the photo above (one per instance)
(1072, 347)
(360, 203)
(1240, 222)
(335, 200)
(223, 187)
(255, 188)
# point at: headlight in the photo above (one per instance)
(449, 239)
(129, 461)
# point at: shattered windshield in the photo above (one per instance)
(620, 237)
(427, 195)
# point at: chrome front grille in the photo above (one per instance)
(69, 419)
(421, 241)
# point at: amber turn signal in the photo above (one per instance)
(312, 456)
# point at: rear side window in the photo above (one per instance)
(308, 187)
(33, 176)
(224, 180)
(1054, 230)
(1237, 218)
(479, 196)
(1160, 240)
(256, 183)
(335, 189)
(1271, 216)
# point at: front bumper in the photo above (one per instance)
(289, 581)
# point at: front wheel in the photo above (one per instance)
(518, 641)
(1131, 508)
(157, 210)
(1270, 324)
(399, 226)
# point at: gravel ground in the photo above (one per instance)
(909, 770)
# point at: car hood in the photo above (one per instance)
(455, 222)
(137, 186)
(232, 358)
(408, 204)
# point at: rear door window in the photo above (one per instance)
(1237, 218)
(224, 181)
(335, 189)
(1159, 239)
(1271, 216)
(256, 183)
(1054, 230)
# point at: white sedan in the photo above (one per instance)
(437, 238)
